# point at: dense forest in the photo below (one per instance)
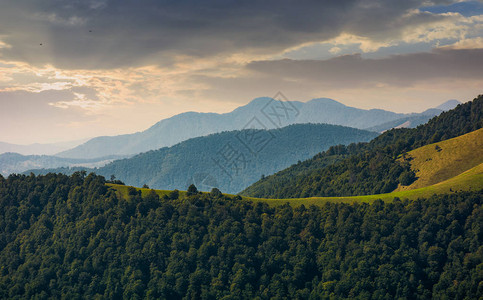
(367, 168)
(74, 237)
(231, 160)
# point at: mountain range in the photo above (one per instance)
(260, 113)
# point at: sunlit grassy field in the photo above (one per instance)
(441, 161)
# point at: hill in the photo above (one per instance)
(230, 161)
(441, 161)
(459, 169)
(371, 168)
(74, 237)
(261, 113)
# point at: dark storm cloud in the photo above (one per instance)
(104, 34)
(397, 70)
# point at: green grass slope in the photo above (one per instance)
(441, 161)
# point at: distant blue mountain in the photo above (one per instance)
(448, 105)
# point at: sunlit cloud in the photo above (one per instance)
(80, 101)
(443, 29)
(4, 45)
(334, 50)
(453, 27)
(471, 43)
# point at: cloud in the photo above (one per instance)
(472, 43)
(466, 8)
(92, 90)
(334, 50)
(111, 34)
(75, 103)
(399, 70)
(411, 33)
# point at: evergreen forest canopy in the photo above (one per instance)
(74, 237)
(367, 168)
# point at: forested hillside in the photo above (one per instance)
(73, 237)
(367, 168)
(230, 161)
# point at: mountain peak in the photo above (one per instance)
(259, 100)
(450, 104)
(325, 101)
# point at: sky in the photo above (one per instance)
(71, 69)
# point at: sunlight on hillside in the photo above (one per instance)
(443, 160)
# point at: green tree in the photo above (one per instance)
(192, 190)
(215, 193)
